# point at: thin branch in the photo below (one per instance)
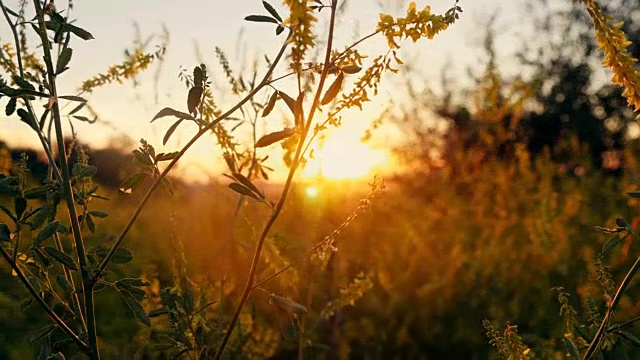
(276, 211)
(34, 293)
(597, 338)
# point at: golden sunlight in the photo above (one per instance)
(342, 156)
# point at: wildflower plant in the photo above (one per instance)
(45, 241)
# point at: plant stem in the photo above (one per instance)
(276, 211)
(597, 338)
(34, 293)
(173, 162)
(43, 141)
(87, 284)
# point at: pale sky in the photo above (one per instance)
(205, 24)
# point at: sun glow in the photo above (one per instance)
(342, 157)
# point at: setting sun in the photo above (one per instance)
(343, 156)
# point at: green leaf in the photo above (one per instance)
(85, 171)
(170, 131)
(634, 194)
(77, 108)
(158, 312)
(288, 305)
(133, 282)
(26, 117)
(38, 192)
(90, 224)
(79, 32)
(271, 10)
(333, 90)
(63, 60)
(121, 256)
(194, 98)
(171, 112)
(132, 182)
(632, 339)
(13, 13)
(241, 189)
(46, 232)
(41, 259)
(98, 214)
(166, 156)
(612, 242)
(135, 291)
(19, 205)
(622, 223)
(270, 105)
(142, 158)
(572, 348)
(247, 183)
(288, 100)
(11, 106)
(5, 232)
(61, 257)
(137, 308)
(273, 137)
(261, 18)
(79, 99)
(9, 186)
(22, 83)
(351, 69)
(64, 283)
(41, 333)
(279, 29)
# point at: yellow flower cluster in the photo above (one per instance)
(136, 63)
(613, 43)
(6, 55)
(301, 23)
(416, 24)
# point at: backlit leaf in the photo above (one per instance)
(11, 106)
(26, 117)
(132, 182)
(274, 137)
(351, 69)
(61, 257)
(288, 305)
(170, 131)
(261, 18)
(79, 32)
(166, 156)
(73, 98)
(271, 10)
(270, 105)
(63, 60)
(137, 308)
(194, 97)
(243, 190)
(19, 205)
(333, 90)
(46, 232)
(288, 100)
(246, 182)
(171, 112)
(5, 232)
